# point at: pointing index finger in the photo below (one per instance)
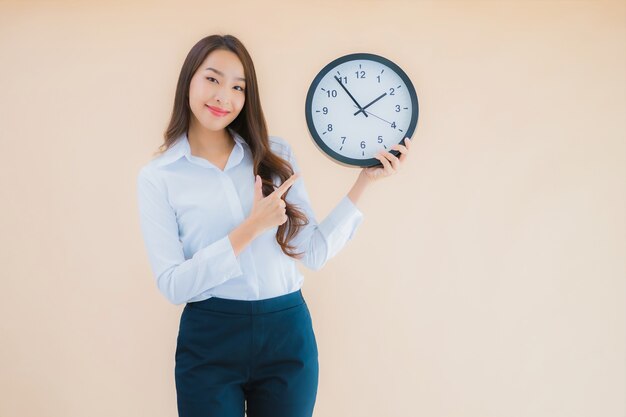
(285, 185)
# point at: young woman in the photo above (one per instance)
(224, 217)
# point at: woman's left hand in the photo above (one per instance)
(391, 163)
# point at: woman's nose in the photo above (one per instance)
(220, 98)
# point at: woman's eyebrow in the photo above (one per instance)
(222, 74)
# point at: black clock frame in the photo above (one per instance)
(309, 110)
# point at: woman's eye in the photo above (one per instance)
(213, 79)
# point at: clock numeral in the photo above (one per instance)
(332, 93)
(343, 80)
(362, 144)
(330, 128)
(360, 74)
(393, 125)
(325, 110)
(378, 76)
(344, 140)
(397, 108)
(380, 139)
(391, 91)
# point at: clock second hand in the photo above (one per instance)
(353, 99)
(372, 114)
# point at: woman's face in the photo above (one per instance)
(217, 84)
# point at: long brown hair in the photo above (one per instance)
(250, 124)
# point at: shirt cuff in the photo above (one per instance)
(346, 217)
(221, 259)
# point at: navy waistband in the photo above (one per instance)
(268, 305)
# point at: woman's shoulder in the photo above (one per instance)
(280, 146)
(149, 168)
(160, 161)
(149, 172)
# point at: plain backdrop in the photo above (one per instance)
(488, 276)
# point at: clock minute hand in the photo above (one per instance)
(361, 109)
(353, 99)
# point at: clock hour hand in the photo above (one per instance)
(362, 109)
(353, 99)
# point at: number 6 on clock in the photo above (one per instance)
(360, 104)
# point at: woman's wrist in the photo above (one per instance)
(359, 186)
(242, 235)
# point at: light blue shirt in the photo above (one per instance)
(187, 208)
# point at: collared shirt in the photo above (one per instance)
(188, 206)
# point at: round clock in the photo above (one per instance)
(358, 105)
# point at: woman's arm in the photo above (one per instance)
(242, 235)
(391, 164)
(178, 278)
(359, 186)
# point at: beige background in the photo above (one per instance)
(488, 278)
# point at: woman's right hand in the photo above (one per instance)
(269, 211)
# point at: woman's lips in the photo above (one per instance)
(216, 111)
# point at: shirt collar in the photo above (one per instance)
(181, 148)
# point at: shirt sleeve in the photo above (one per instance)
(321, 241)
(179, 279)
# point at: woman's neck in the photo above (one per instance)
(204, 142)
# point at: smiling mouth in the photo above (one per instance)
(217, 111)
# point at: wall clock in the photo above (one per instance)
(359, 104)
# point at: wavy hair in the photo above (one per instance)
(250, 124)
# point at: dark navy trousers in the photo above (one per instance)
(234, 356)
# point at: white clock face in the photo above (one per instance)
(358, 105)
